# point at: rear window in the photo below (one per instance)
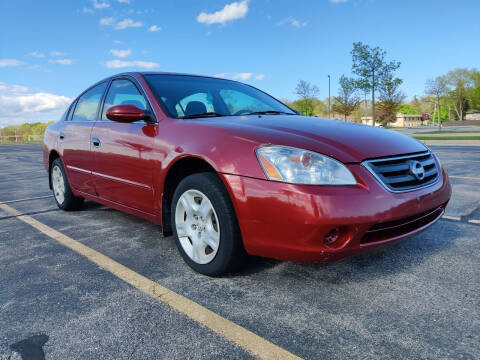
(88, 103)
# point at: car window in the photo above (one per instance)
(205, 98)
(87, 104)
(204, 94)
(123, 92)
(237, 101)
(68, 115)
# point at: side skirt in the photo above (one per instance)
(155, 218)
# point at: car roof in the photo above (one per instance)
(166, 73)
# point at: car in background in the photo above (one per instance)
(230, 171)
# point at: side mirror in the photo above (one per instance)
(126, 114)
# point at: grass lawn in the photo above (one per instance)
(448, 132)
(447, 137)
(20, 142)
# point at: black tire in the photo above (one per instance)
(231, 253)
(70, 202)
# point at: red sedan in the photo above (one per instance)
(231, 171)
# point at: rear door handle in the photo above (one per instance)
(96, 141)
(61, 136)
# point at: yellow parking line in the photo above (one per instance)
(242, 337)
(474, 221)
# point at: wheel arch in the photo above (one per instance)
(180, 169)
(51, 158)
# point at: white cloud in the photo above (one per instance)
(127, 23)
(120, 25)
(294, 22)
(107, 21)
(154, 28)
(243, 76)
(120, 53)
(87, 10)
(116, 64)
(338, 1)
(56, 53)
(37, 54)
(240, 76)
(10, 62)
(299, 23)
(12, 89)
(18, 105)
(61, 61)
(230, 12)
(118, 41)
(124, 1)
(100, 4)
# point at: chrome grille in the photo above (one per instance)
(396, 173)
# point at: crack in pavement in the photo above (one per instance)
(29, 213)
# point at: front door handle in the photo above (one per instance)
(61, 136)
(96, 141)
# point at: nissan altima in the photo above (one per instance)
(229, 171)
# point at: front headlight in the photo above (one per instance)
(297, 166)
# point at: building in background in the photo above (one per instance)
(473, 114)
(402, 120)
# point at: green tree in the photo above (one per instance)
(473, 94)
(390, 95)
(369, 64)
(307, 93)
(444, 113)
(459, 82)
(347, 100)
(408, 109)
(436, 88)
(10, 130)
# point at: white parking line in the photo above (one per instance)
(464, 177)
(26, 199)
(455, 218)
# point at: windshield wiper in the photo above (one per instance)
(270, 112)
(201, 115)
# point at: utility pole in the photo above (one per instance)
(373, 99)
(328, 96)
(366, 106)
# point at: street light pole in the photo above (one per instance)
(328, 96)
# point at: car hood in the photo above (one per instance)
(345, 141)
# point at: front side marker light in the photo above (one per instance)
(269, 168)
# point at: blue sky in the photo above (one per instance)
(52, 50)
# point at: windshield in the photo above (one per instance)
(183, 96)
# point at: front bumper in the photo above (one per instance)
(290, 222)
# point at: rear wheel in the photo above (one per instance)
(205, 226)
(61, 188)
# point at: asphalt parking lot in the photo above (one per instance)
(417, 299)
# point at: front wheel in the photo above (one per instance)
(61, 188)
(205, 226)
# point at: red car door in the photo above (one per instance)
(75, 142)
(123, 152)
